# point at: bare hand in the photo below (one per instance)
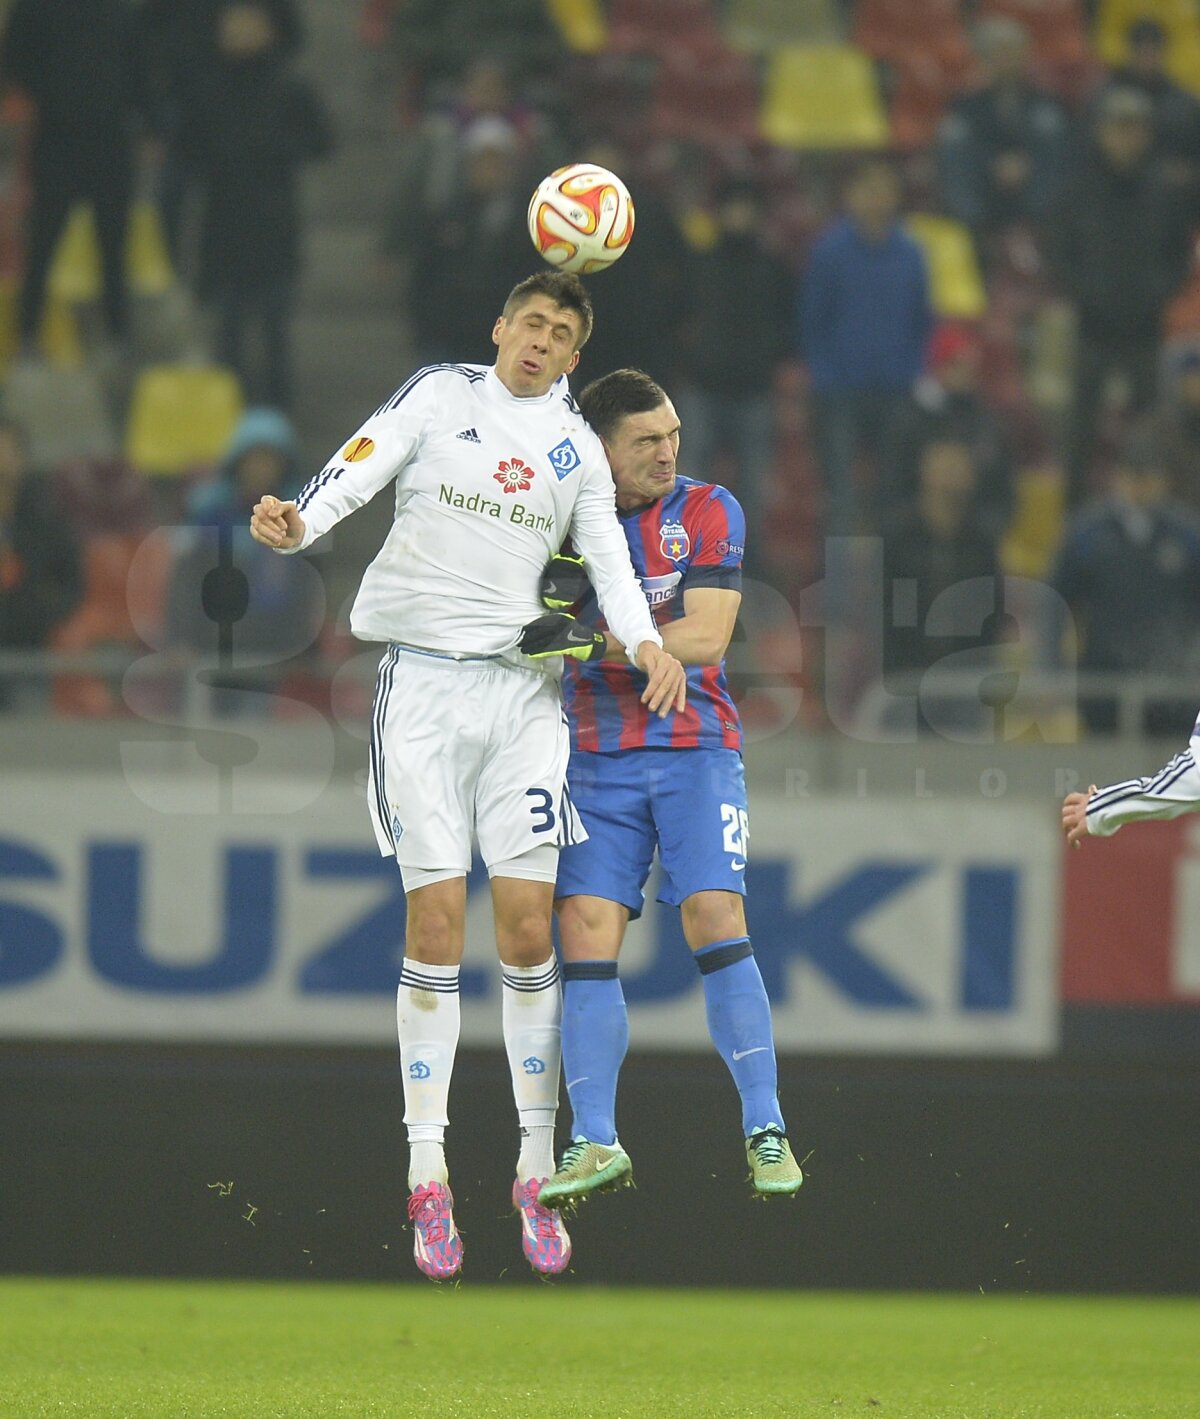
(1074, 816)
(667, 689)
(276, 524)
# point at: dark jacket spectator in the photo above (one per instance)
(737, 332)
(935, 547)
(946, 405)
(1119, 250)
(41, 580)
(282, 611)
(181, 40)
(182, 45)
(737, 304)
(1129, 573)
(253, 126)
(1176, 430)
(473, 253)
(80, 62)
(638, 302)
(1176, 113)
(864, 320)
(1002, 148)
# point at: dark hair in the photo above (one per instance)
(606, 401)
(564, 288)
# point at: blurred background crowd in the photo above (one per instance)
(920, 275)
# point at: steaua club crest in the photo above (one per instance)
(514, 475)
(674, 541)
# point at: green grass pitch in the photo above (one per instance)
(174, 1350)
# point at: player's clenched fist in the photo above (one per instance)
(667, 687)
(1074, 816)
(276, 524)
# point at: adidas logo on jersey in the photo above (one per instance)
(469, 435)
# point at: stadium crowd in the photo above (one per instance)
(921, 274)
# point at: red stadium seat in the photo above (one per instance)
(925, 48)
(899, 32)
(922, 90)
(711, 99)
(663, 26)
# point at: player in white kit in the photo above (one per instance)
(493, 468)
(1172, 791)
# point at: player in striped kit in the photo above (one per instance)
(641, 783)
(492, 467)
(1172, 791)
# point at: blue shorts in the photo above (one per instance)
(690, 803)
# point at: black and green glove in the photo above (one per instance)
(564, 582)
(556, 633)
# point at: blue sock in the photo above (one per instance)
(595, 1036)
(739, 1021)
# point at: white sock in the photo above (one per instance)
(532, 1015)
(427, 1022)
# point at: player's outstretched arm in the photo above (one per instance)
(277, 524)
(1171, 792)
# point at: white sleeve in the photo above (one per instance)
(598, 538)
(376, 454)
(1172, 791)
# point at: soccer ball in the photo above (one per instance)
(581, 218)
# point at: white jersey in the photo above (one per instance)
(1172, 791)
(488, 487)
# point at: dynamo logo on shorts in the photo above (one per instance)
(564, 459)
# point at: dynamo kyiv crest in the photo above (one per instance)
(564, 459)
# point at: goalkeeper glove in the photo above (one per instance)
(556, 633)
(564, 582)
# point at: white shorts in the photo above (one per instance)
(464, 749)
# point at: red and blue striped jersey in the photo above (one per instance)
(693, 537)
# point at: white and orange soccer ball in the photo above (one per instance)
(581, 218)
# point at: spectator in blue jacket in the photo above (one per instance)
(864, 321)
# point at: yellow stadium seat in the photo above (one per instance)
(75, 272)
(58, 341)
(760, 26)
(823, 96)
(146, 259)
(181, 416)
(580, 23)
(1036, 530)
(1178, 17)
(1183, 60)
(956, 286)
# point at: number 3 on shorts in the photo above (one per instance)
(543, 810)
(736, 838)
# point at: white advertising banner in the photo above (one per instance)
(916, 927)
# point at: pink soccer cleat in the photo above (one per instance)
(544, 1239)
(437, 1247)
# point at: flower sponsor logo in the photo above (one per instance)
(514, 475)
